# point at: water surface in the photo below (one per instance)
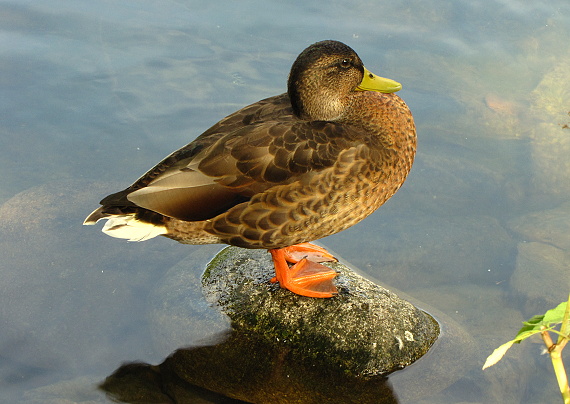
(93, 93)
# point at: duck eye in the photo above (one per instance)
(345, 63)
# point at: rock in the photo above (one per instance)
(544, 255)
(551, 136)
(364, 331)
(137, 383)
(281, 348)
(550, 226)
(536, 266)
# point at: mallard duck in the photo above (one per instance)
(279, 173)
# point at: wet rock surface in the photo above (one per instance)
(364, 331)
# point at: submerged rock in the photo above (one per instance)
(537, 265)
(551, 136)
(551, 226)
(365, 330)
(543, 256)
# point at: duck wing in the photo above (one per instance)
(239, 157)
(240, 165)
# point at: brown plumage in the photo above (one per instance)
(286, 170)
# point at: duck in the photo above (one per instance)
(282, 172)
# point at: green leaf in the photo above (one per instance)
(534, 320)
(524, 335)
(531, 327)
(556, 315)
(533, 324)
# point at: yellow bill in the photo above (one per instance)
(372, 82)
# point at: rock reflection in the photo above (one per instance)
(243, 367)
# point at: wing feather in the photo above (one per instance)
(242, 155)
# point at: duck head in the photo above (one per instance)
(325, 76)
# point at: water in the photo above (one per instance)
(93, 93)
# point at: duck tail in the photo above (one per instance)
(125, 226)
(95, 216)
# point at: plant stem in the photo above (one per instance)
(560, 372)
(555, 351)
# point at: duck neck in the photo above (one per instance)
(315, 103)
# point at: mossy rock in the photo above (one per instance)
(364, 331)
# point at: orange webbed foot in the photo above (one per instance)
(312, 252)
(306, 277)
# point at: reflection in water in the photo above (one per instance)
(244, 367)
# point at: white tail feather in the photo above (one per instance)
(128, 227)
